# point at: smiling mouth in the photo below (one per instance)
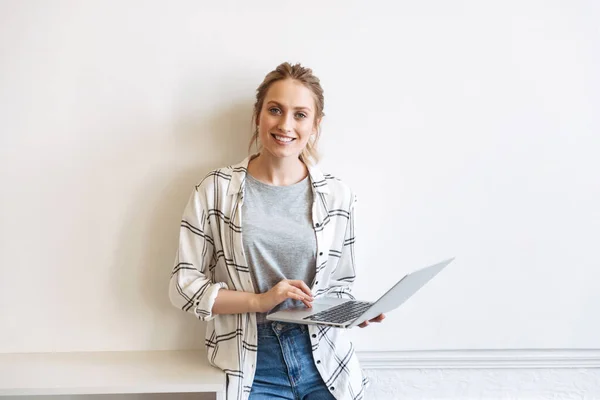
(282, 139)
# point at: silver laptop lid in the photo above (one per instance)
(401, 291)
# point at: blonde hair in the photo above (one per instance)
(305, 76)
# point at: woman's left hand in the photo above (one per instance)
(378, 318)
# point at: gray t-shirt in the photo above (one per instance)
(277, 234)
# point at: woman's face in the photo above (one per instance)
(287, 119)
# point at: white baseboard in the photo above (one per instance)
(525, 358)
(482, 374)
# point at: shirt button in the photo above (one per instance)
(321, 253)
(313, 335)
(318, 225)
(332, 388)
(318, 361)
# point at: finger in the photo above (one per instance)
(302, 286)
(307, 303)
(364, 324)
(297, 294)
(379, 318)
(293, 295)
(304, 295)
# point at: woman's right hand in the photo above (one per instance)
(286, 289)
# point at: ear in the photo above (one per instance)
(317, 126)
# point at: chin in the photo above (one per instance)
(283, 153)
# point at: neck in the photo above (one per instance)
(277, 171)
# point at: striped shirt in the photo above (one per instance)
(211, 256)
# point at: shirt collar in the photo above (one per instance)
(239, 171)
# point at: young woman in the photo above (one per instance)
(272, 231)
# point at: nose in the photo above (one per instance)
(285, 125)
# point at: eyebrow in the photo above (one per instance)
(295, 108)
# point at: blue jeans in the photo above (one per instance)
(285, 368)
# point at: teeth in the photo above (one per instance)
(283, 139)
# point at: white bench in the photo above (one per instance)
(37, 374)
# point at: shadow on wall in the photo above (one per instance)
(148, 240)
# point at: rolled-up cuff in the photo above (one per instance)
(205, 303)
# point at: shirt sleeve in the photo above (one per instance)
(191, 287)
(342, 279)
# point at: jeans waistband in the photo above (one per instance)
(269, 328)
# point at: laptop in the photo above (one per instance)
(345, 313)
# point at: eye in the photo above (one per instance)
(301, 115)
(274, 110)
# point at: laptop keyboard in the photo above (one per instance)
(344, 312)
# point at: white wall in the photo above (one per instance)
(468, 129)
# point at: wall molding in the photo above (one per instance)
(468, 359)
